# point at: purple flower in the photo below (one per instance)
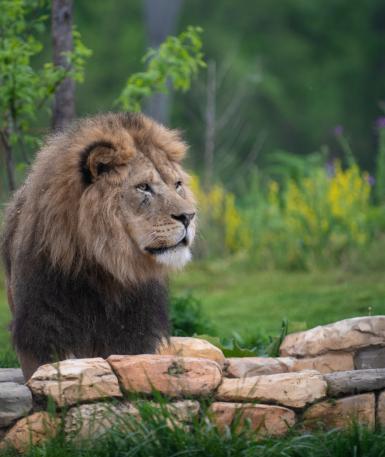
(380, 122)
(371, 180)
(338, 130)
(330, 169)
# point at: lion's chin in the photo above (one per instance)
(175, 258)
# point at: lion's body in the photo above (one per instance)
(84, 249)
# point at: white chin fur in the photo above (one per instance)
(175, 258)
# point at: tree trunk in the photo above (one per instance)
(64, 101)
(9, 164)
(210, 116)
(161, 18)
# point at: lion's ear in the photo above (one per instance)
(99, 158)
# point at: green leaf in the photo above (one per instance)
(177, 60)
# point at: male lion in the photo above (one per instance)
(104, 213)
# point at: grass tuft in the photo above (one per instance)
(158, 434)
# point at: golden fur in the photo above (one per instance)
(107, 219)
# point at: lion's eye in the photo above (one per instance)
(178, 185)
(144, 187)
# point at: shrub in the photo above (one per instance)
(316, 217)
(187, 317)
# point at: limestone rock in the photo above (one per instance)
(325, 363)
(15, 402)
(173, 376)
(178, 414)
(351, 382)
(340, 413)
(94, 420)
(240, 367)
(288, 389)
(181, 410)
(33, 429)
(381, 409)
(11, 375)
(71, 381)
(191, 347)
(372, 357)
(346, 335)
(264, 419)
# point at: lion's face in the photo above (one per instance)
(158, 210)
(137, 213)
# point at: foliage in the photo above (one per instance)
(316, 219)
(187, 316)
(313, 216)
(177, 60)
(227, 233)
(24, 90)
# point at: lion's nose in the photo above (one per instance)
(185, 218)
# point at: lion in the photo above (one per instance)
(90, 237)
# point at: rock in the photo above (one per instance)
(325, 363)
(288, 389)
(173, 376)
(380, 419)
(351, 382)
(340, 413)
(94, 420)
(33, 429)
(346, 335)
(71, 381)
(181, 410)
(263, 419)
(240, 367)
(15, 402)
(178, 414)
(191, 347)
(11, 375)
(373, 357)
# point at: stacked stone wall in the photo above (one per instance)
(326, 376)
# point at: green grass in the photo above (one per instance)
(237, 297)
(152, 436)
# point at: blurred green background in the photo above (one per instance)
(287, 150)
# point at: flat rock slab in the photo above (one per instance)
(355, 381)
(180, 410)
(240, 367)
(288, 389)
(94, 420)
(373, 357)
(15, 402)
(262, 419)
(325, 363)
(34, 429)
(173, 376)
(11, 375)
(71, 381)
(191, 347)
(346, 335)
(340, 413)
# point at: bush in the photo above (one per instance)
(317, 215)
(187, 317)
